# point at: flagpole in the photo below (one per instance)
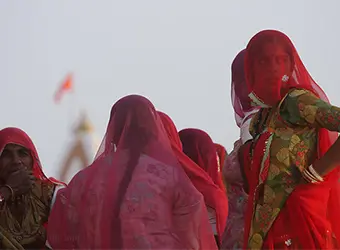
(67, 85)
(73, 108)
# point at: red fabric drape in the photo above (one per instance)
(214, 196)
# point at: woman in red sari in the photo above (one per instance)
(290, 165)
(135, 195)
(232, 172)
(26, 194)
(214, 197)
(200, 148)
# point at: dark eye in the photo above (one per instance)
(23, 153)
(5, 153)
(282, 59)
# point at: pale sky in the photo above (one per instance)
(176, 52)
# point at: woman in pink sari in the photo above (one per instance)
(135, 195)
(200, 148)
(214, 196)
(233, 234)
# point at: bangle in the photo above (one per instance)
(308, 176)
(2, 198)
(314, 173)
(311, 176)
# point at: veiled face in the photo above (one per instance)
(269, 67)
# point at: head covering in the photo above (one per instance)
(87, 213)
(214, 196)
(299, 78)
(200, 148)
(221, 155)
(171, 131)
(17, 136)
(242, 104)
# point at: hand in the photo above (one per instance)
(5, 192)
(6, 171)
(320, 165)
(21, 181)
(303, 181)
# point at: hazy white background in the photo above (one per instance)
(176, 52)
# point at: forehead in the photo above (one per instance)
(272, 48)
(14, 147)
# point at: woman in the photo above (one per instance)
(199, 147)
(26, 194)
(214, 196)
(135, 195)
(291, 167)
(233, 234)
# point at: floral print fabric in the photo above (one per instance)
(233, 233)
(290, 148)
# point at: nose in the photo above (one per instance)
(274, 66)
(17, 159)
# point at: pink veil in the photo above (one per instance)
(87, 213)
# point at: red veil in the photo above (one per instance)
(198, 145)
(214, 195)
(19, 137)
(300, 78)
(241, 102)
(94, 212)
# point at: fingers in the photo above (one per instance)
(7, 171)
(31, 178)
(16, 172)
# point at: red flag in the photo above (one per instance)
(65, 86)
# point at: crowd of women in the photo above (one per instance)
(152, 187)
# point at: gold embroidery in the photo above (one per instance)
(283, 156)
(309, 113)
(256, 242)
(293, 141)
(273, 171)
(276, 212)
(284, 133)
(30, 230)
(297, 92)
(269, 194)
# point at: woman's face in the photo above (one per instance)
(14, 155)
(269, 68)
